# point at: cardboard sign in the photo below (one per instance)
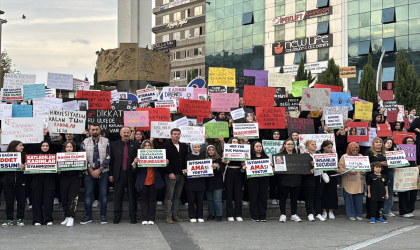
(383, 130)
(237, 113)
(261, 76)
(392, 116)
(71, 106)
(38, 107)
(242, 81)
(281, 80)
(297, 88)
(399, 136)
(217, 129)
(10, 161)
(50, 93)
(21, 110)
(348, 72)
(406, 179)
(72, 122)
(337, 110)
(41, 164)
(334, 121)
(97, 99)
(11, 95)
(331, 87)
(249, 130)
(258, 168)
(406, 123)
(51, 103)
(200, 168)
(222, 76)
(12, 80)
(110, 121)
(31, 91)
(315, 99)
(341, 99)
(161, 129)
(199, 109)
(280, 93)
(60, 81)
(136, 118)
(357, 163)
(363, 111)
(6, 110)
(200, 94)
(294, 164)
(170, 104)
(396, 159)
(156, 114)
(26, 130)
(258, 96)
(125, 105)
(386, 95)
(69, 161)
(147, 95)
(191, 134)
(319, 139)
(151, 157)
(80, 84)
(291, 104)
(115, 96)
(237, 152)
(372, 134)
(358, 131)
(325, 161)
(389, 106)
(223, 102)
(271, 117)
(183, 121)
(272, 147)
(217, 89)
(300, 125)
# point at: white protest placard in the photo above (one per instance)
(191, 134)
(60, 81)
(237, 152)
(249, 130)
(151, 157)
(343, 110)
(10, 161)
(147, 95)
(71, 105)
(161, 129)
(11, 95)
(237, 114)
(38, 107)
(372, 134)
(406, 179)
(115, 96)
(80, 84)
(325, 161)
(26, 130)
(181, 122)
(40, 164)
(258, 168)
(272, 147)
(319, 138)
(171, 104)
(200, 168)
(5, 110)
(396, 159)
(69, 161)
(18, 80)
(357, 163)
(281, 80)
(315, 99)
(177, 93)
(51, 103)
(61, 121)
(50, 93)
(334, 121)
(279, 162)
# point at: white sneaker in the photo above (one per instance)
(296, 218)
(30, 207)
(144, 223)
(274, 201)
(27, 200)
(359, 218)
(95, 203)
(151, 222)
(320, 217)
(65, 221)
(411, 215)
(311, 217)
(239, 219)
(56, 201)
(244, 203)
(390, 214)
(352, 218)
(159, 203)
(70, 222)
(193, 220)
(406, 216)
(324, 215)
(231, 219)
(186, 204)
(282, 218)
(302, 202)
(331, 215)
(49, 223)
(37, 224)
(200, 220)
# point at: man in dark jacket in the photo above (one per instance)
(121, 174)
(174, 179)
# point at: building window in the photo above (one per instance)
(279, 60)
(187, 34)
(165, 1)
(177, 75)
(198, 31)
(388, 44)
(300, 5)
(197, 72)
(323, 54)
(388, 15)
(323, 28)
(187, 53)
(364, 48)
(177, 36)
(187, 13)
(279, 33)
(185, 74)
(322, 3)
(165, 38)
(197, 52)
(177, 16)
(198, 10)
(165, 19)
(176, 55)
(301, 29)
(247, 18)
(299, 56)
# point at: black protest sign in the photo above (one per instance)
(390, 105)
(300, 125)
(296, 164)
(280, 93)
(217, 89)
(123, 104)
(291, 104)
(110, 121)
(241, 81)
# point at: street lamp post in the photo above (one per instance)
(2, 21)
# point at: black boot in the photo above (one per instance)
(211, 217)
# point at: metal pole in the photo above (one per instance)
(379, 75)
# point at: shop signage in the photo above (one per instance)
(173, 4)
(164, 45)
(348, 72)
(177, 23)
(298, 45)
(315, 68)
(302, 15)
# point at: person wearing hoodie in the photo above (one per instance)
(215, 184)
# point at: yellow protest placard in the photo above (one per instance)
(222, 76)
(363, 111)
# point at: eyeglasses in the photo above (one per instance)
(290, 144)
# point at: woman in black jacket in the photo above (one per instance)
(14, 187)
(215, 185)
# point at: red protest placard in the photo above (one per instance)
(223, 102)
(196, 108)
(271, 118)
(392, 116)
(406, 123)
(399, 136)
(97, 99)
(333, 88)
(386, 95)
(383, 130)
(156, 115)
(258, 96)
(358, 131)
(300, 125)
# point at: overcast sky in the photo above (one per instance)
(58, 36)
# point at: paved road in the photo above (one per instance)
(332, 234)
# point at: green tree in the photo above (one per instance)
(303, 74)
(6, 66)
(412, 83)
(281, 70)
(190, 75)
(402, 91)
(367, 90)
(331, 76)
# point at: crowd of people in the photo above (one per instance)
(112, 160)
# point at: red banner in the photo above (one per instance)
(386, 95)
(392, 116)
(196, 108)
(258, 96)
(332, 87)
(399, 136)
(156, 115)
(271, 118)
(97, 99)
(358, 131)
(406, 123)
(383, 130)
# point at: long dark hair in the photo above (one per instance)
(253, 150)
(65, 145)
(294, 151)
(325, 143)
(406, 138)
(12, 146)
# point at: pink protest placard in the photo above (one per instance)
(223, 102)
(136, 118)
(200, 91)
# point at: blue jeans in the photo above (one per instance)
(215, 201)
(390, 201)
(354, 204)
(103, 191)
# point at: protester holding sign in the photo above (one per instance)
(14, 187)
(274, 192)
(215, 185)
(329, 199)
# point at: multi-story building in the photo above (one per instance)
(180, 31)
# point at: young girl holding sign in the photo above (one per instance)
(14, 187)
(215, 185)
